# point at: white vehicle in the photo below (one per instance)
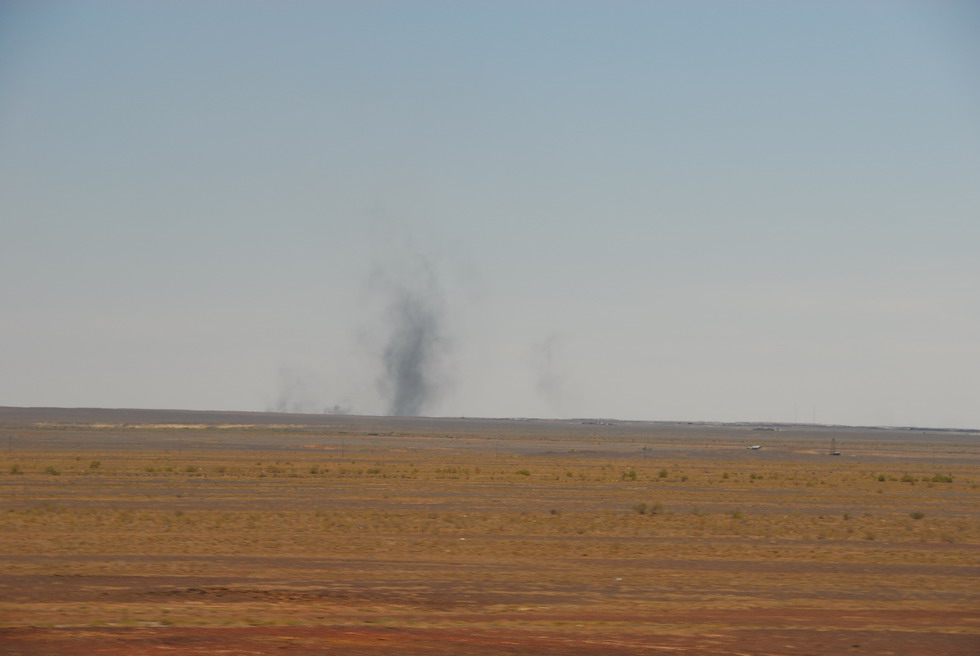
(755, 447)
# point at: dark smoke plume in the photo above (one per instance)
(415, 347)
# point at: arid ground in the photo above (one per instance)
(160, 532)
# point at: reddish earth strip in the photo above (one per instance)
(325, 641)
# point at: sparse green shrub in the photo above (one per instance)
(523, 472)
(917, 515)
(737, 514)
(95, 464)
(15, 469)
(939, 478)
(725, 475)
(629, 475)
(882, 478)
(51, 470)
(908, 478)
(663, 473)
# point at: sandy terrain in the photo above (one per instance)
(158, 532)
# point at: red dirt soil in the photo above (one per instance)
(368, 641)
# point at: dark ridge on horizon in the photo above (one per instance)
(41, 414)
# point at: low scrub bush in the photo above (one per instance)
(648, 509)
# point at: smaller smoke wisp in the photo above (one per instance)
(415, 347)
(337, 409)
(300, 391)
(296, 391)
(550, 378)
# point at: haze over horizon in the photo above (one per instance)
(681, 211)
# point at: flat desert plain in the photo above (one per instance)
(164, 532)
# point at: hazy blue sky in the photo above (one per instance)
(645, 210)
